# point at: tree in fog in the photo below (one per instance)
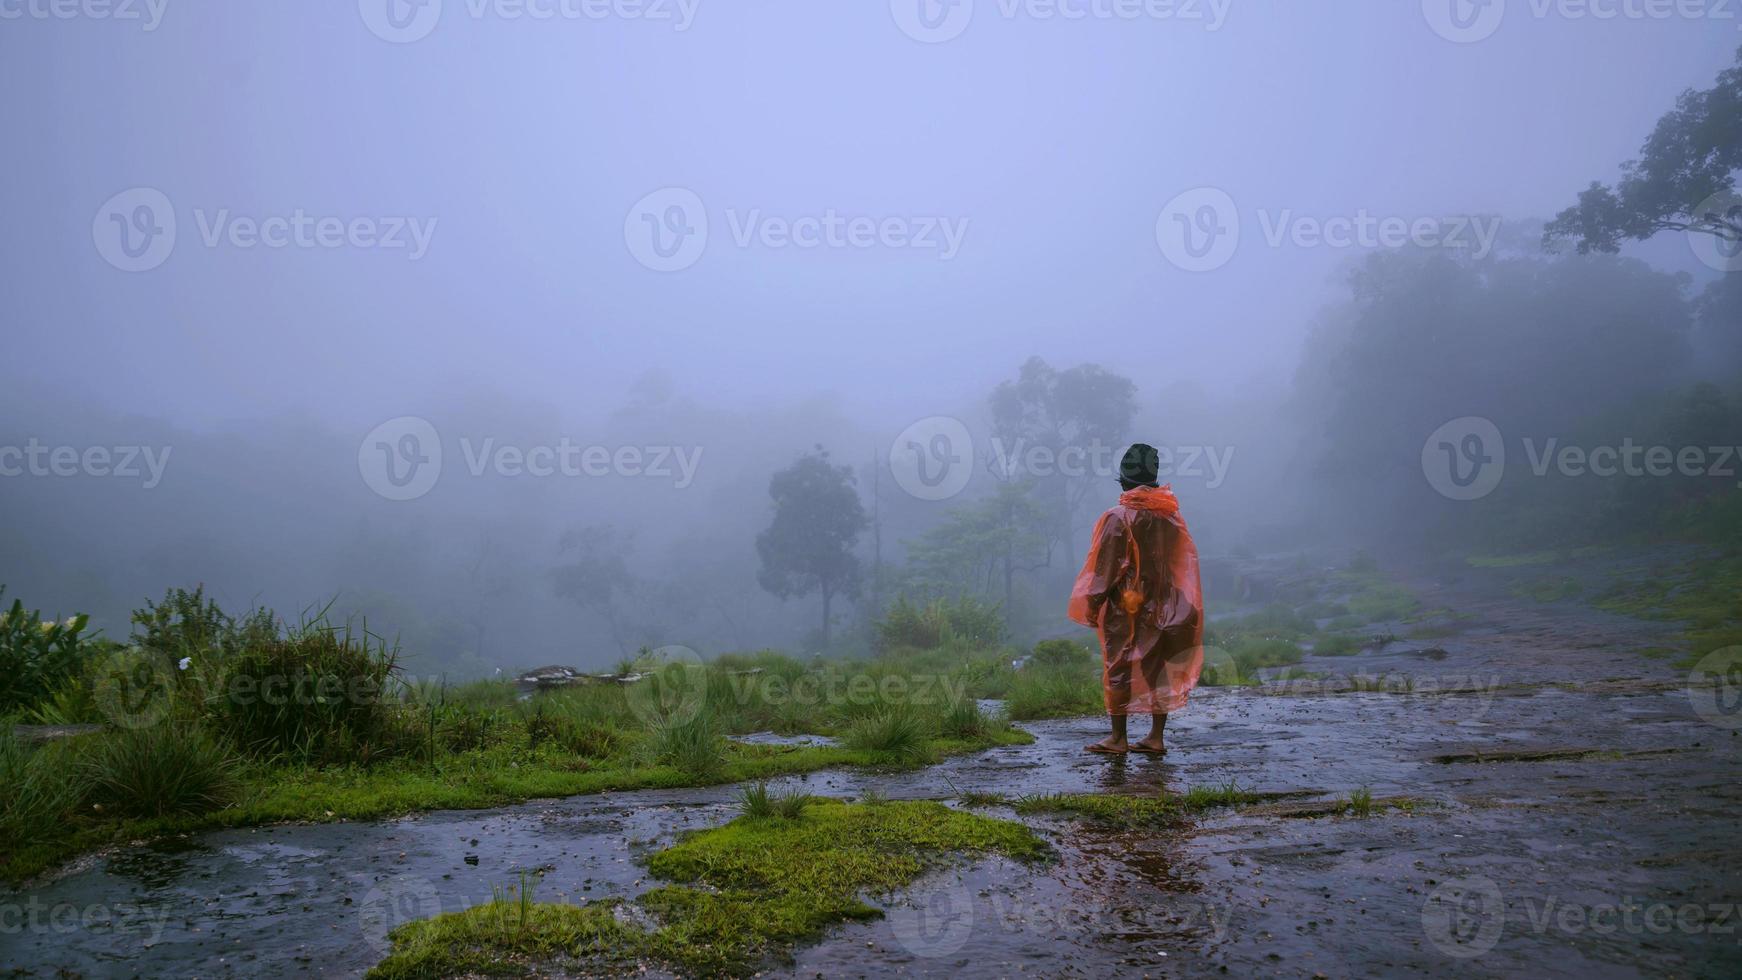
(983, 548)
(1682, 180)
(597, 577)
(808, 548)
(1053, 415)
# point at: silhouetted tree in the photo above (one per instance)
(809, 545)
(1690, 158)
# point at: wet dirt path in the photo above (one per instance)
(1625, 860)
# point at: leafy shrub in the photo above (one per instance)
(1382, 602)
(1276, 620)
(965, 621)
(37, 656)
(187, 624)
(158, 771)
(1251, 654)
(72, 702)
(1320, 609)
(307, 693)
(1062, 654)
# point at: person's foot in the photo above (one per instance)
(1109, 746)
(1150, 746)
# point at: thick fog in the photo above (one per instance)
(620, 263)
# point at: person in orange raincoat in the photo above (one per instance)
(1140, 589)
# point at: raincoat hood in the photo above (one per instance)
(1155, 500)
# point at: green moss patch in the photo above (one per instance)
(1119, 810)
(740, 894)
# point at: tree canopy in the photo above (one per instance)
(1683, 180)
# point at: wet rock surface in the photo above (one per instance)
(1568, 813)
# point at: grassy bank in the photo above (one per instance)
(209, 722)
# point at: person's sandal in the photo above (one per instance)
(1100, 749)
(1142, 749)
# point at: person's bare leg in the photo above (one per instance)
(1116, 742)
(1154, 742)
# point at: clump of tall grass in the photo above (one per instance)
(573, 726)
(1361, 802)
(695, 745)
(38, 788)
(758, 803)
(161, 770)
(308, 693)
(1056, 692)
(962, 718)
(895, 730)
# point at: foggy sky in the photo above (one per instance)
(528, 140)
(514, 152)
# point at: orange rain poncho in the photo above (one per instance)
(1140, 589)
